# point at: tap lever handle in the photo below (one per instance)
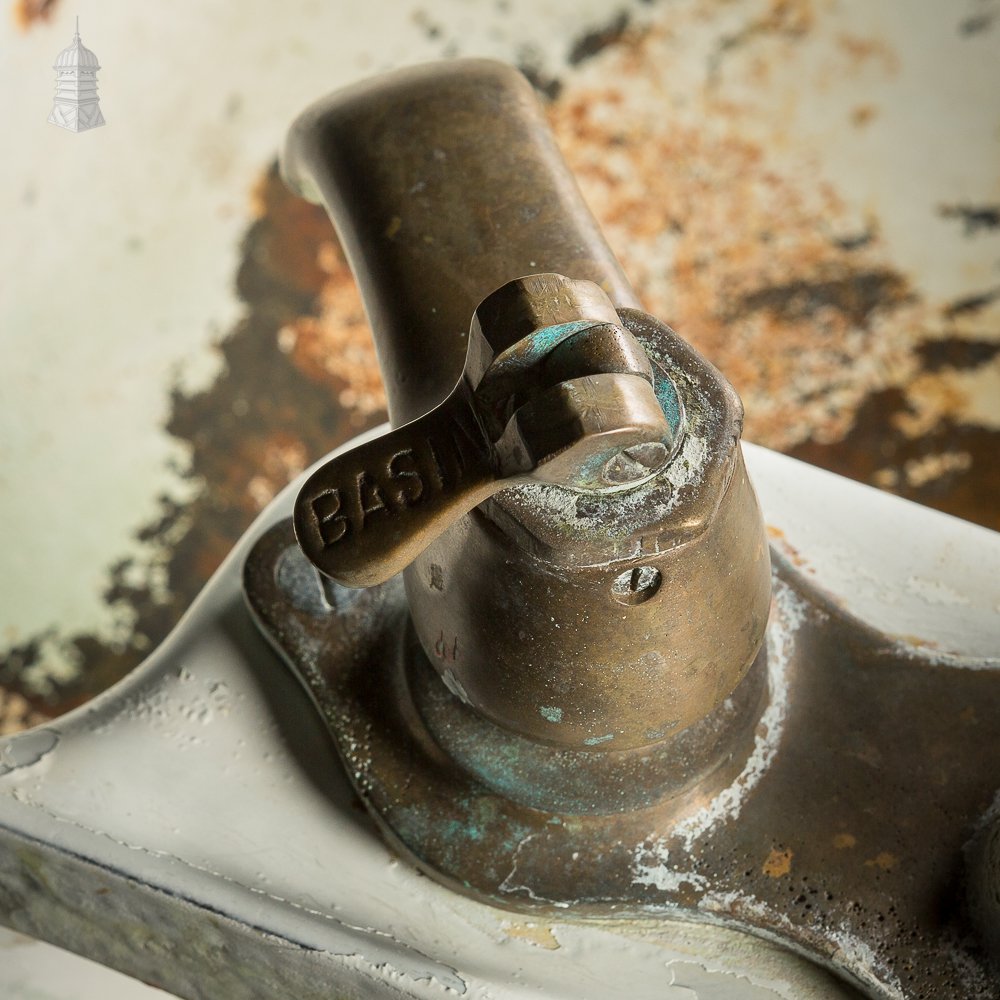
(365, 515)
(556, 394)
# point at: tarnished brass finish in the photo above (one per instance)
(575, 708)
(519, 605)
(445, 183)
(845, 834)
(451, 216)
(571, 402)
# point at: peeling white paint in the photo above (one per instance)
(703, 983)
(942, 658)
(935, 592)
(27, 749)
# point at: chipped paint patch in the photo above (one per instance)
(27, 749)
(551, 713)
(883, 860)
(701, 984)
(539, 935)
(921, 649)
(778, 863)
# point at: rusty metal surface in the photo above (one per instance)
(864, 339)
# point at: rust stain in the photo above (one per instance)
(921, 471)
(758, 262)
(737, 254)
(782, 19)
(17, 713)
(328, 339)
(287, 241)
(863, 114)
(977, 23)
(974, 218)
(843, 841)
(282, 457)
(968, 396)
(862, 50)
(778, 863)
(883, 860)
(30, 12)
(917, 641)
(971, 304)
(592, 42)
(790, 552)
(274, 408)
(337, 344)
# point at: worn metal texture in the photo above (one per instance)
(577, 619)
(534, 775)
(647, 607)
(571, 402)
(500, 199)
(855, 748)
(386, 155)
